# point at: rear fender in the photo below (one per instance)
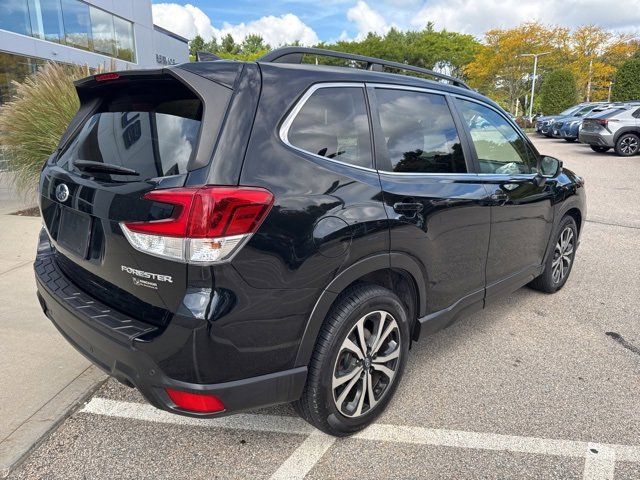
(395, 260)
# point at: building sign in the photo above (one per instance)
(163, 60)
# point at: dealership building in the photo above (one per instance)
(114, 33)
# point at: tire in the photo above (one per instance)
(599, 149)
(550, 281)
(570, 140)
(627, 145)
(331, 409)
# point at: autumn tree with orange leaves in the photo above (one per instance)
(590, 53)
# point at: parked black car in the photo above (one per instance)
(228, 235)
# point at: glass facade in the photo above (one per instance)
(15, 67)
(70, 22)
(102, 31)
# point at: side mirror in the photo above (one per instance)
(550, 167)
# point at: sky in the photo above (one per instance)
(311, 21)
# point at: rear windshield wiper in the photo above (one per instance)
(99, 167)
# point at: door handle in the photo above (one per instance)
(408, 207)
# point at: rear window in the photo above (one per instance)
(607, 113)
(151, 128)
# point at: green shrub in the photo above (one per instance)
(33, 121)
(627, 82)
(558, 93)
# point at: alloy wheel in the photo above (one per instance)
(629, 145)
(562, 255)
(367, 364)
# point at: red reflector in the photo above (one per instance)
(195, 402)
(208, 212)
(102, 77)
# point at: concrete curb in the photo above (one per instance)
(16, 447)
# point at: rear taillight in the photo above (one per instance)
(208, 225)
(195, 402)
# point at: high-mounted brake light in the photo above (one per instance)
(103, 77)
(208, 225)
(195, 402)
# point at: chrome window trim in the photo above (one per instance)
(392, 86)
(286, 125)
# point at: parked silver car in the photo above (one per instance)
(617, 128)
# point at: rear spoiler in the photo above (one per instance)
(206, 57)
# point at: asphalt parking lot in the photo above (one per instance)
(536, 386)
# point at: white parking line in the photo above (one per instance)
(599, 458)
(600, 462)
(304, 458)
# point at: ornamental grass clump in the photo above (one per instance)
(33, 121)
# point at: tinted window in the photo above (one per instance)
(333, 123)
(77, 26)
(499, 147)
(102, 31)
(419, 132)
(155, 134)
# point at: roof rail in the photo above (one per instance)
(295, 54)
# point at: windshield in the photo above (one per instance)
(569, 111)
(154, 133)
(583, 111)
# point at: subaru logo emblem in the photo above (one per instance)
(62, 192)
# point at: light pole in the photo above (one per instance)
(535, 69)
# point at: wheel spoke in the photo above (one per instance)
(384, 369)
(363, 393)
(388, 357)
(379, 329)
(380, 340)
(345, 392)
(353, 348)
(371, 395)
(342, 379)
(363, 342)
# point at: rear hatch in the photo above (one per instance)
(135, 132)
(598, 120)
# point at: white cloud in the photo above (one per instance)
(367, 20)
(472, 16)
(189, 21)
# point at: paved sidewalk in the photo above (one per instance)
(41, 376)
(10, 200)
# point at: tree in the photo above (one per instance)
(196, 45)
(444, 51)
(558, 92)
(499, 71)
(254, 44)
(228, 45)
(627, 82)
(211, 46)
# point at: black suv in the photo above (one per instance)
(229, 235)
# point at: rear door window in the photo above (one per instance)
(154, 133)
(419, 131)
(333, 123)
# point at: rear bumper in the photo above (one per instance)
(594, 139)
(116, 344)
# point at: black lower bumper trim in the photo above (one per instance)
(114, 350)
